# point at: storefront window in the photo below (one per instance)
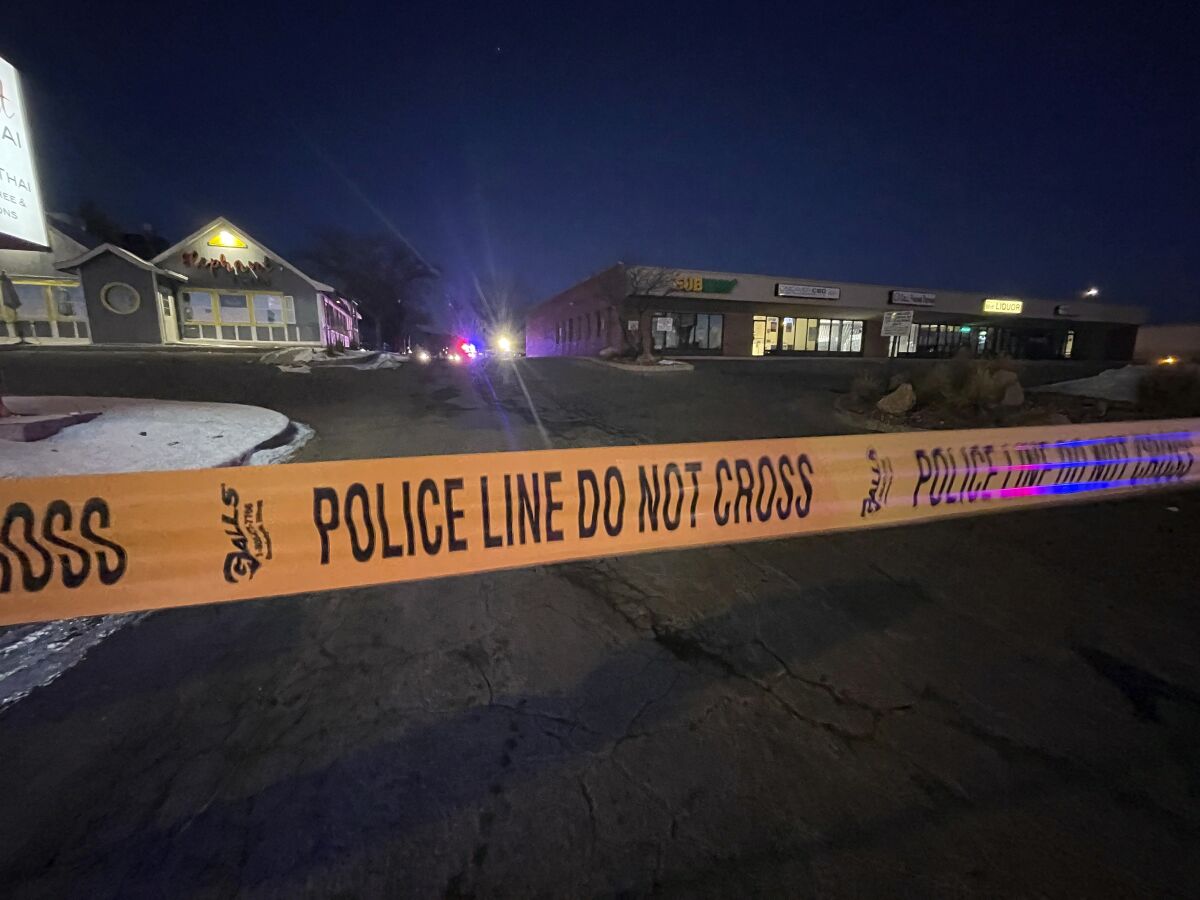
(243, 317)
(688, 332)
(33, 301)
(197, 306)
(46, 311)
(792, 335)
(823, 336)
(69, 302)
(235, 308)
(268, 309)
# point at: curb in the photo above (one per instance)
(675, 367)
(293, 433)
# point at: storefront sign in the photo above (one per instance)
(1003, 305)
(911, 298)
(897, 323)
(1066, 311)
(22, 222)
(253, 272)
(808, 291)
(696, 284)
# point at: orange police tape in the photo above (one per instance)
(84, 545)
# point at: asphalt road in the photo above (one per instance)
(995, 706)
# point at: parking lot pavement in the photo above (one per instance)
(1000, 705)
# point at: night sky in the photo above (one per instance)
(1008, 148)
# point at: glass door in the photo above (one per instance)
(787, 342)
(758, 338)
(772, 342)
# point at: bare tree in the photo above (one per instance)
(384, 274)
(645, 289)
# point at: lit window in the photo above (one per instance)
(268, 309)
(69, 302)
(235, 308)
(33, 301)
(197, 306)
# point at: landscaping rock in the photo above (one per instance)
(609, 352)
(899, 401)
(1014, 395)
(1002, 378)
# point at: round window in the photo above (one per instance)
(120, 298)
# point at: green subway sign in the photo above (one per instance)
(696, 284)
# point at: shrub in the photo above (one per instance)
(867, 386)
(963, 383)
(933, 385)
(981, 390)
(1171, 391)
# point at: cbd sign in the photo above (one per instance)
(22, 222)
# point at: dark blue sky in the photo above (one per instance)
(1028, 148)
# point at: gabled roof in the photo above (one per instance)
(222, 222)
(39, 263)
(131, 258)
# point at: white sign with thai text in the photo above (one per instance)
(21, 216)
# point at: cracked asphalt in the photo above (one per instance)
(997, 706)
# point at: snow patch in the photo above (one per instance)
(302, 360)
(129, 435)
(137, 436)
(1112, 384)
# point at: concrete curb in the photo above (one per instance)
(675, 368)
(289, 440)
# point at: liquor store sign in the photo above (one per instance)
(22, 222)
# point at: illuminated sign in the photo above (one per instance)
(1003, 305)
(911, 298)
(224, 238)
(697, 284)
(808, 291)
(21, 218)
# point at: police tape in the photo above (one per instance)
(85, 545)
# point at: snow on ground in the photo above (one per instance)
(138, 436)
(301, 360)
(129, 435)
(1111, 384)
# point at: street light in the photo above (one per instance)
(504, 343)
(1092, 292)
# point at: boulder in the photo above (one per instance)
(1002, 378)
(1014, 395)
(609, 352)
(899, 401)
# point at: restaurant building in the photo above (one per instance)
(46, 303)
(217, 287)
(703, 313)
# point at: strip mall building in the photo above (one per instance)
(700, 313)
(218, 287)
